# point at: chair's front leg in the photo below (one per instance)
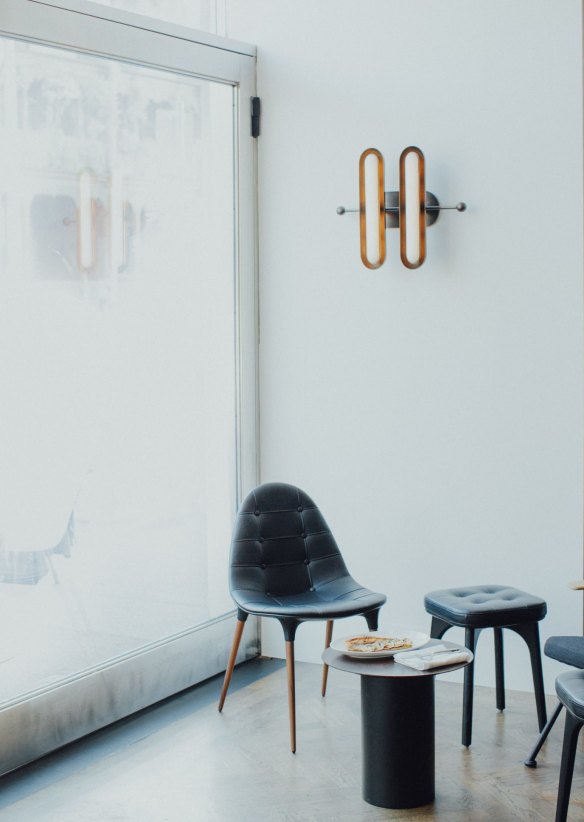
(291, 693)
(289, 626)
(571, 731)
(531, 760)
(327, 641)
(241, 619)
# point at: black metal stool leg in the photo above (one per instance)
(530, 633)
(499, 669)
(470, 638)
(438, 628)
(531, 759)
(571, 731)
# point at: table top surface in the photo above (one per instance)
(387, 666)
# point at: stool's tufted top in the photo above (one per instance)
(570, 691)
(285, 561)
(485, 606)
(566, 649)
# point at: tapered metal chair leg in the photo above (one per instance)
(231, 662)
(327, 641)
(531, 760)
(291, 693)
(571, 731)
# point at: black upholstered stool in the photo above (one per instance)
(570, 691)
(490, 606)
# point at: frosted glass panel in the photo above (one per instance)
(117, 363)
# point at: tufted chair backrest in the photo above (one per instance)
(282, 544)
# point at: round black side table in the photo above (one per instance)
(397, 726)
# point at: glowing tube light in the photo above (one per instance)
(372, 208)
(412, 207)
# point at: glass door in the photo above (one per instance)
(127, 362)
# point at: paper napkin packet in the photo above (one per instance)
(436, 656)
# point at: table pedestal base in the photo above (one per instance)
(398, 740)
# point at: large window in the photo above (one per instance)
(122, 267)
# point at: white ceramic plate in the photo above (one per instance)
(415, 637)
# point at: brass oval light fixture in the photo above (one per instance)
(412, 207)
(372, 208)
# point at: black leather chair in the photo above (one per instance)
(286, 564)
(570, 651)
(570, 691)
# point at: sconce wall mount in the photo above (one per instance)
(412, 209)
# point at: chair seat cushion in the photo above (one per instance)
(485, 606)
(570, 691)
(285, 561)
(566, 649)
(341, 598)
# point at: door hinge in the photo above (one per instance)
(255, 116)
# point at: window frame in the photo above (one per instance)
(55, 715)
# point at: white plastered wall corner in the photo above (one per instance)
(435, 416)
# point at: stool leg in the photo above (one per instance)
(470, 641)
(571, 731)
(531, 760)
(499, 669)
(438, 628)
(530, 634)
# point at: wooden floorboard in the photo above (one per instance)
(182, 761)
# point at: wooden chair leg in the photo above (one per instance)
(571, 731)
(291, 693)
(327, 641)
(231, 662)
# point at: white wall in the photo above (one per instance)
(436, 415)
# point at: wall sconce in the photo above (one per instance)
(412, 209)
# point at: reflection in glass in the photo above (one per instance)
(86, 222)
(117, 368)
